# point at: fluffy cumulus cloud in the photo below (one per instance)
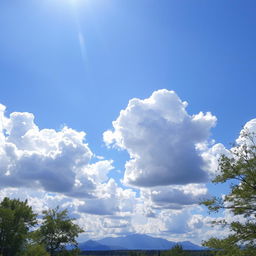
(110, 200)
(249, 128)
(52, 168)
(171, 159)
(161, 139)
(45, 164)
(212, 155)
(36, 158)
(176, 197)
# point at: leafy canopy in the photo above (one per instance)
(34, 250)
(58, 230)
(176, 250)
(16, 219)
(240, 169)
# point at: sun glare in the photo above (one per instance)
(74, 2)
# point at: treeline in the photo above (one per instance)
(175, 251)
(21, 234)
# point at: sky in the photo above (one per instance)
(119, 109)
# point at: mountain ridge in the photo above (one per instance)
(135, 242)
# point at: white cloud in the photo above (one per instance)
(110, 200)
(50, 164)
(249, 127)
(46, 159)
(196, 222)
(99, 170)
(212, 155)
(161, 138)
(171, 158)
(99, 206)
(177, 197)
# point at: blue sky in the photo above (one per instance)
(79, 62)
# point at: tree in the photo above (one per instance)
(16, 219)
(34, 250)
(176, 250)
(240, 170)
(57, 231)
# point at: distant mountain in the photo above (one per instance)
(135, 242)
(187, 245)
(91, 245)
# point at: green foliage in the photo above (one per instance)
(16, 239)
(73, 252)
(16, 218)
(34, 250)
(226, 247)
(57, 231)
(175, 251)
(240, 170)
(134, 253)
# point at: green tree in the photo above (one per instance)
(34, 250)
(16, 219)
(176, 250)
(240, 170)
(57, 231)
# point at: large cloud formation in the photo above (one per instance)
(162, 140)
(177, 197)
(55, 161)
(45, 164)
(170, 161)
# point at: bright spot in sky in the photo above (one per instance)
(73, 1)
(76, 2)
(81, 38)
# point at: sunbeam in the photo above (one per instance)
(80, 34)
